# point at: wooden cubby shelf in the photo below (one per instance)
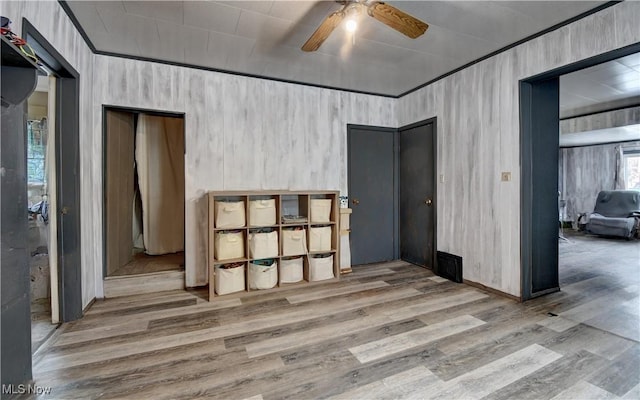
(264, 241)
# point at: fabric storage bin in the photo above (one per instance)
(294, 242)
(291, 270)
(263, 245)
(229, 279)
(230, 214)
(320, 267)
(262, 212)
(263, 274)
(229, 245)
(320, 238)
(320, 210)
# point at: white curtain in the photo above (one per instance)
(619, 178)
(160, 166)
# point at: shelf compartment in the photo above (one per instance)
(292, 270)
(229, 245)
(322, 208)
(294, 205)
(320, 238)
(321, 267)
(263, 274)
(263, 243)
(264, 210)
(229, 278)
(230, 212)
(294, 241)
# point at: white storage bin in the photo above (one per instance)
(320, 210)
(263, 245)
(229, 280)
(320, 268)
(229, 245)
(230, 214)
(291, 270)
(320, 238)
(263, 276)
(294, 242)
(262, 212)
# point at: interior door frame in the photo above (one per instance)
(434, 122)
(133, 110)
(532, 158)
(67, 161)
(396, 176)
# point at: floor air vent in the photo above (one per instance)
(450, 266)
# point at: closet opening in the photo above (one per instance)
(144, 178)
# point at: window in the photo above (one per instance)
(36, 150)
(631, 165)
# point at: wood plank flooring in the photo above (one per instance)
(142, 263)
(390, 330)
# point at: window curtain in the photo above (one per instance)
(160, 167)
(619, 176)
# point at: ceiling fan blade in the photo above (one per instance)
(324, 30)
(398, 20)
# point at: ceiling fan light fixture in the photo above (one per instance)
(351, 25)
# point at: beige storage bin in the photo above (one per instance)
(263, 276)
(229, 280)
(320, 210)
(291, 270)
(320, 238)
(320, 268)
(262, 212)
(230, 214)
(229, 245)
(294, 242)
(263, 245)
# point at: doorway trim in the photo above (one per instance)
(67, 138)
(434, 121)
(133, 110)
(396, 177)
(532, 156)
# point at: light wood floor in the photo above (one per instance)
(385, 331)
(41, 325)
(146, 264)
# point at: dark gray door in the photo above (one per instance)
(371, 194)
(417, 195)
(68, 180)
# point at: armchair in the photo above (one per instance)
(616, 213)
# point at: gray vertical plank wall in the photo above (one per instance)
(588, 170)
(246, 133)
(50, 20)
(478, 138)
(242, 133)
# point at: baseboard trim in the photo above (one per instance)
(492, 290)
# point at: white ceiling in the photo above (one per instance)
(611, 85)
(264, 37)
(606, 86)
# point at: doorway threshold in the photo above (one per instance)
(127, 285)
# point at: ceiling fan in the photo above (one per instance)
(388, 15)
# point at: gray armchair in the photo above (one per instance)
(616, 213)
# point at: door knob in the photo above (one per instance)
(355, 202)
(428, 202)
(64, 211)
